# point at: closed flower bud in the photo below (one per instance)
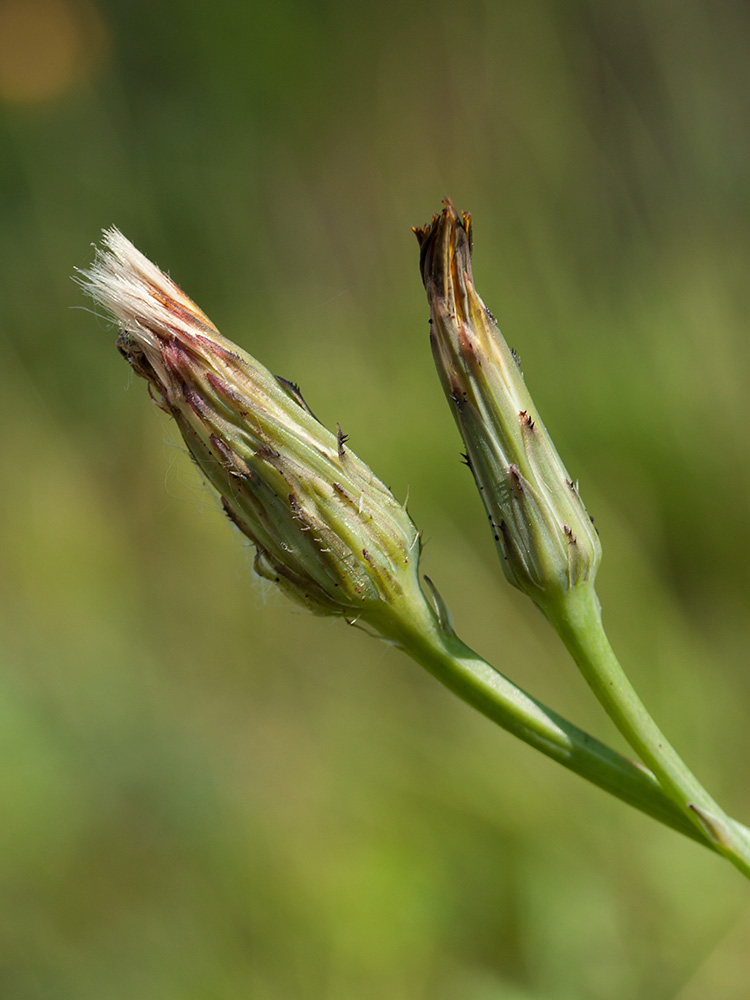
(545, 537)
(326, 530)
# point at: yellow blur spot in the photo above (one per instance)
(46, 47)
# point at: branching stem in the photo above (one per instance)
(577, 619)
(470, 677)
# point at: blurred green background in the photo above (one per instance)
(206, 794)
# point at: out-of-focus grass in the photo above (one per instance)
(206, 793)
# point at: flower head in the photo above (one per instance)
(326, 530)
(545, 537)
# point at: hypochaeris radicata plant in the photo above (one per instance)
(333, 537)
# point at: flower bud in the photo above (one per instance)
(326, 530)
(546, 539)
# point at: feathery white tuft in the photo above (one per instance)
(143, 299)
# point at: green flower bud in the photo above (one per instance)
(326, 530)
(546, 539)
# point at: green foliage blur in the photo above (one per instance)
(205, 793)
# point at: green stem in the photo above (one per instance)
(577, 619)
(466, 674)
